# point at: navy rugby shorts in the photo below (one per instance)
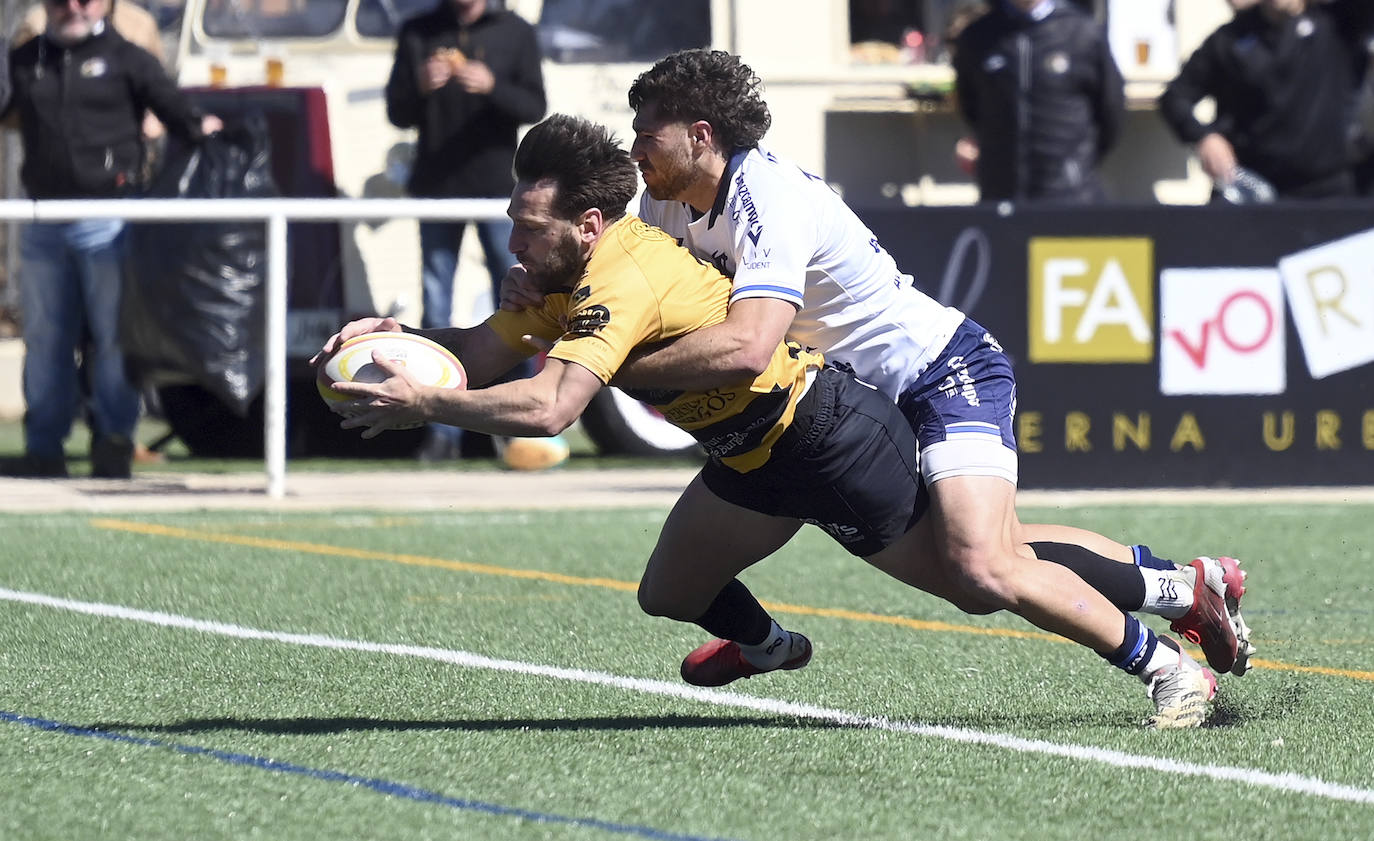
(962, 408)
(848, 464)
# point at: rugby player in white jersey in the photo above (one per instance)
(801, 441)
(807, 269)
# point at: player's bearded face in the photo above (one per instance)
(545, 244)
(561, 266)
(662, 151)
(667, 174)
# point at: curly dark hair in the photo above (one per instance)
(710, 85)
(586, 162)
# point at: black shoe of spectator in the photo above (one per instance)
(112, 457)
(30, 466)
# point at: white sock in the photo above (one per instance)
(1164, 657)
(1168, 594)
(769, 654)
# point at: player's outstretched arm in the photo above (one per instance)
(540, 406)
(735, 350)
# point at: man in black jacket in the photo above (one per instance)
(467, 76)
(1284, 74)
(79, 91)
(1037, 83)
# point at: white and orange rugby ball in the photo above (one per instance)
(429, 362)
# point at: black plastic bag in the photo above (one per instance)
(195, 292)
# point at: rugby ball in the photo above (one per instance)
(429, 362)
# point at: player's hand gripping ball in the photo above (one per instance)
(428, 362)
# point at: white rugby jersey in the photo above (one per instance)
(780, 232)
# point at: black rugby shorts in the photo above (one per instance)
(848, 464)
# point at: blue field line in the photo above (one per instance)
(394, 789)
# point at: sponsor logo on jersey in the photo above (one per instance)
(744, 203)
(701, 409)
(1091, 299)
(580, 294)
(589, 321)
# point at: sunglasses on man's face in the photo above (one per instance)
(63, 3)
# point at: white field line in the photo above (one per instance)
(1293, 783)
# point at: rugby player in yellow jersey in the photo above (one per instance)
(798, 442)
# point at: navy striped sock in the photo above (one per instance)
(1136, 650)
(1143, 558)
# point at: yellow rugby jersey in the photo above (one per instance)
(640, 287)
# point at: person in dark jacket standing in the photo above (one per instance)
(79, 91)
(467, 76)
(1284, 75)
(1037, 83)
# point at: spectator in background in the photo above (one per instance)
(136, 24)
(138, 27)
(78, 92)
(963, 13)
(1284, 75)
(467, 76)
(1037, 84)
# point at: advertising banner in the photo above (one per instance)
(1168, 346)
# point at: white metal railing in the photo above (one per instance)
(276, 213)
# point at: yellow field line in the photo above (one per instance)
(625, 586)
(362, 554)
(1312, 670)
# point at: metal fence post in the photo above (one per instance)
(274, 403)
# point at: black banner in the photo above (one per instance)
(1168, 346)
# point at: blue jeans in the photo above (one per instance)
(439, 246)
(69, 285)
